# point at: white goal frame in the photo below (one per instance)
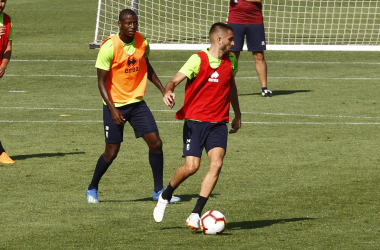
(329, 25)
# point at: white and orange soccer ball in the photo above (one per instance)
(213, 222)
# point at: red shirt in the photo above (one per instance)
(245, 12)
(4, 38)
(207, 96)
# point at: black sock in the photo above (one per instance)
(168, 193)
(201, 202)
(262, 89)
(100, 169)
(156, 161)
(1, 149)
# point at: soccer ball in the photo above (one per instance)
(213, 222)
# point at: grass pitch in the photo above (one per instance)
(302, 173)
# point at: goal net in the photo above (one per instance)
(184, 24)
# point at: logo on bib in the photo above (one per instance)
(131, 62)
(214, 77)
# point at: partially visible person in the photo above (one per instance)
(246, 18)
(210, 89)
(123, 70)
(5, 56)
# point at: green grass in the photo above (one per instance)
(302, 173)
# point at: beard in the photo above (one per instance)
(224, 48)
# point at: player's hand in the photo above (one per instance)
(2, 71)
(117, 117)
(236, 124)
(2, 30)
(168, 99)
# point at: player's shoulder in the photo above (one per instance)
(6, 16)
(143, 36)
(107, 44)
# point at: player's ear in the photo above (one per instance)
(219, 39)
(119, 23)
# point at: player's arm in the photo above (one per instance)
(117, 117)
(154, 78)
(169, 95)
(236, 122)
(6, 57)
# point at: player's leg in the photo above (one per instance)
(216, 145)
(156, 161)
(193, 145)
(113, 137)
(190, 167)
(4, 157)
(215, 156)
(256, 44)
(144, 125)
(104, 161)
(261, 67)
(239, 34)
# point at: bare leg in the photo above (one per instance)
(190, 167)
(261, 67)
(215, 156)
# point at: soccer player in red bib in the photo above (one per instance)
(209, 90)
(123, 71)
(247, 20)
(5, 56)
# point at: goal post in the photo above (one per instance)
(289, 24)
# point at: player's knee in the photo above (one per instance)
(111, 153)
(191, 168)
(109, 157)
(156, 146)
(216, 165)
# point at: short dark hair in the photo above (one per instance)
(219, 27)
(125, 12)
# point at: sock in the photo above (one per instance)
(262, 89)
(156, 161)
(201, 202)
(1, 149)
(168, 193)
(100, 169)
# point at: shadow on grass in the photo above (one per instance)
(184, 197)
(23, 157)
(281, 92)
(241, 225)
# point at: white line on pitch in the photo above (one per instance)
(253, 77)
(266, 123)
(38, 75)
(171, 110)
(161, 61)
(15, 91)
(46, 60)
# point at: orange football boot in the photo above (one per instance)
(5, 159)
